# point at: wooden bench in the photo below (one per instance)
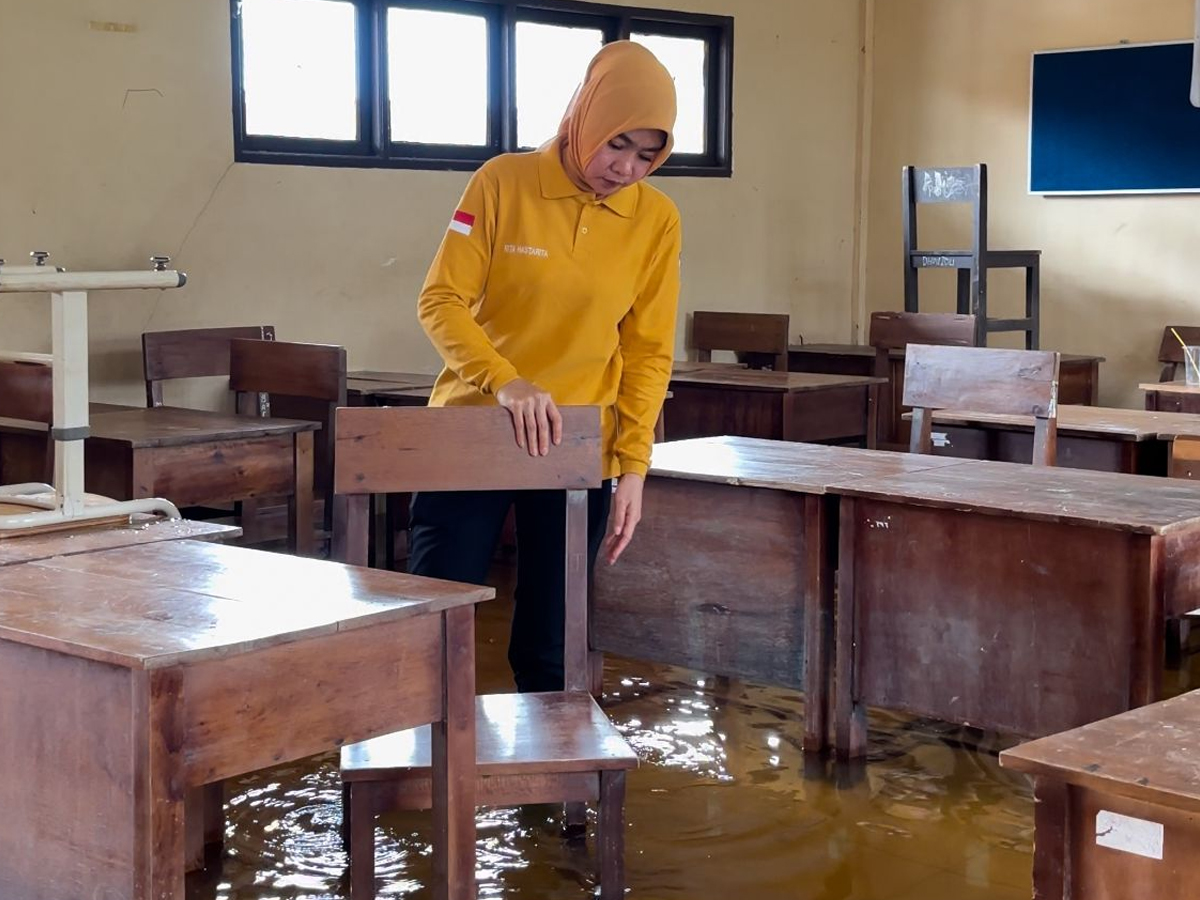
(892, 332)
(532, 748)
(762, 338)
(1019, 382)
(191, 353)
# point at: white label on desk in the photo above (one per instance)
(1128, 834)
(940, 439)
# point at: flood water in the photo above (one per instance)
(722, 806)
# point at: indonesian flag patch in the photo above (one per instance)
(462, 222)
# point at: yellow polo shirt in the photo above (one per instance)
(539, 280)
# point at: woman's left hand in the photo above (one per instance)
(626, 513)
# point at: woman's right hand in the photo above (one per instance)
(536, 420)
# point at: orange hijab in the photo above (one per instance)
(625, 88)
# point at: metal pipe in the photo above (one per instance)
(28, 487)
(90, 281)
(41, 518)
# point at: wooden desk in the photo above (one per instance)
(144, 530)
(26, 454)
(132, 676)
(1079, 376)
(1172, 396)
(196, 458)
(1089, 437)
(1090, 782)
(1017, 598)
(406, 379)
(746, 591)
(791, 406)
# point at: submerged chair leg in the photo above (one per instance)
(361, 830)
(610, 836)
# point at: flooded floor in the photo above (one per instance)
(722, 806)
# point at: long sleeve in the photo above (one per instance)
(455, 283)
(647, 348)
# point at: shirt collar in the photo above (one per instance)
(557, 186)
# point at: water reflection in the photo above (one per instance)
(722, 802)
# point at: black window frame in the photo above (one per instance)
(372, 149)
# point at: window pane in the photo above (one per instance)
(437, 77)
(298, 68)
(551, 62)
(684, 59)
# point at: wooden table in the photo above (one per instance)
(716, 399)
(1117, 811)
(731, 571)
(26, 451)
(144, 530)
(407, 379)
(1172, 396)
(364, 386)
(1079, 376)
(195, 457)
(1089, 437)
(1017, 598)
(130, 676)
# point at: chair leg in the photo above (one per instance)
(1033, 304)
(362, 843)
(610, 836)
(575, 821)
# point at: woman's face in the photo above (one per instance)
(624, 160)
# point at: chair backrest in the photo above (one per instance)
(760, 339)
(398, 449)
(890, 331)
(27, 393)
(955, 184)
(293, 381)
(1170, 352)
(983, 380)
(191, 353)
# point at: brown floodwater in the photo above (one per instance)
(724, 805)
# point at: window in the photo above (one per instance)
(450, 83)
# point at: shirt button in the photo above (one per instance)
(583, 230)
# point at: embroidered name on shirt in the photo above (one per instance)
(523, 250)
(462, 222)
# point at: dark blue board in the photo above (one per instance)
(1115, 119)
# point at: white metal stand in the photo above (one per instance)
(68, 306)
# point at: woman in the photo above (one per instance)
(557, 283)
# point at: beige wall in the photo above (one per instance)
(951, 87)
(117, 146)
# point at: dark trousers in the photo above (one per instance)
(453, 535)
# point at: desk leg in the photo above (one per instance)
(453, 748)
(1051, 840)
(850, 718)
(1148, 625)
(872, 416)
(818, 623)
(300, 504)
(159, 793)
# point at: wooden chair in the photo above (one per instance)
(27, 394)
(762, 338)
(531, 748)
(1170, 353)
(890, 331)
(294, 381)
(983, 380)
(966, 184)
(191, 353)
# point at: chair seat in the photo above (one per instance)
(515, 734)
